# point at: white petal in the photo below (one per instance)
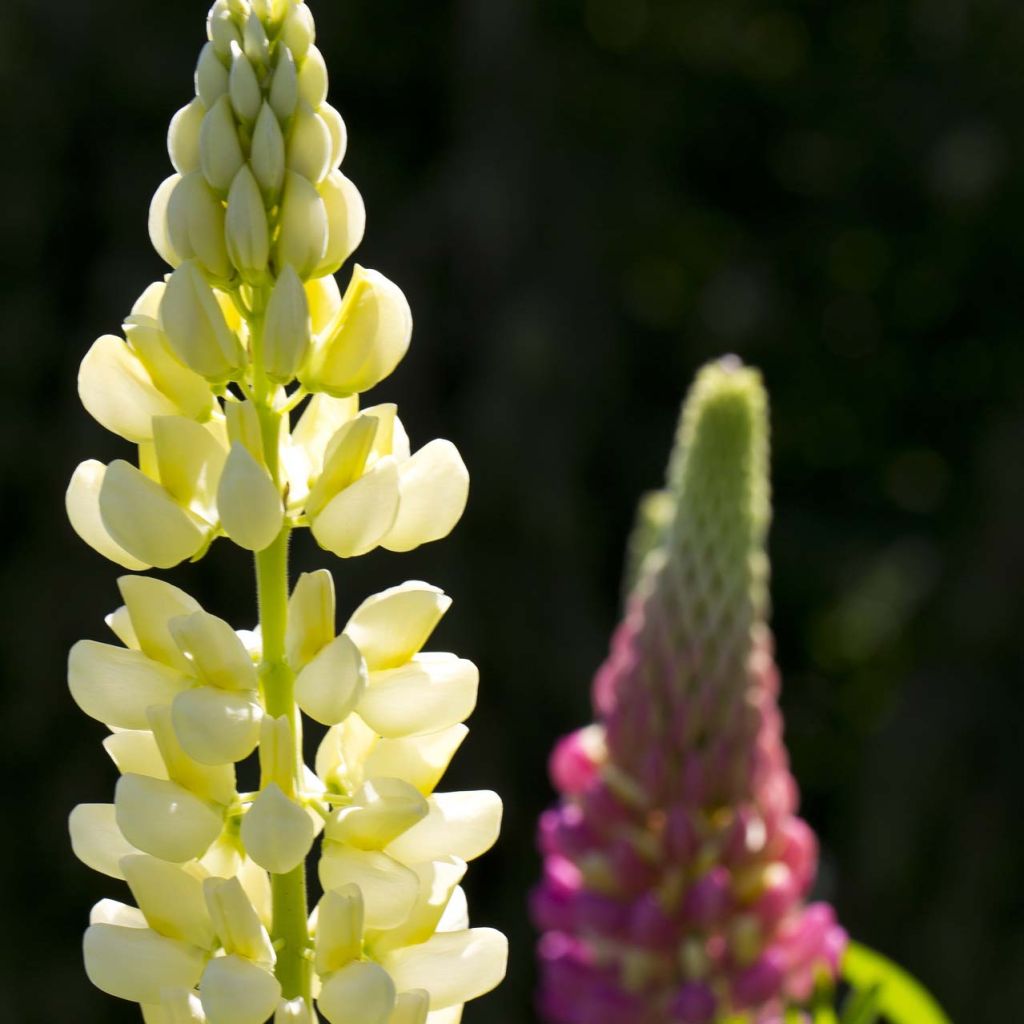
(189, 392)
(82, 502)
(430, 693)
(152, 603)
(330, 686)
(420, 760)
(310, 617)
(217, 655)
(433, 487)
(163, 819)
(96, 839)
(248, 500)
(217, 726)
(323, 416)
(277, 832)
(389, 888)
(237, 991)
(390, 627)
(145, 520)
(464, 825)
(354, 521)
(346, 219)
(361, 993)
(171, 898)
(113, 912)
(340, 756)
(118, 392)
(381, 810)
(456, 914)
(453, 967)
(116, 686)
(449, 1015)
(136, 751)
(136, 964)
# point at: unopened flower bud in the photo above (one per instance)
(267, 155)
(195, 225)
(284, 84)
(256, 43)
(194, 324)
(346, 220)
(302, 241)
(245, 226)
(367, 340)
(286, 327)
(309, 145)
(220, 152)
(339, 133)
(221, 29)
(313, 78)
(183, 137)
(159, 229)
(299, 31)
(243, 86)
(211, 77)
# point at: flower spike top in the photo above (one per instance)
(675, 867)
(247, 329)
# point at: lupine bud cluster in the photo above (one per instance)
(676, 869)
(214, 359)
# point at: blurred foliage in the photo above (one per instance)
(585, 199)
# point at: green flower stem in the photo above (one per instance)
(289, 932)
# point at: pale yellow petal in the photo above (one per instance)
(152, 603)
(190, 461)
(277, 832)
(360, 993)
(380, 811)
(411, 1007)
(113, 912)
(438, 882)
(420, 760)
(339, 929)
(164, 819)
(217, 726)
(216, 653)
(430, 693)
(96, 839)
(235, 920)
(137, 964)
(330, 686)
(118, 392)
(433, 487)
(464, 825)
(366, 341)
(145, 520)
(310, 617)
(453, 967)
(136, 751)
(116, 686)
(248, 500)
(390, 627)
(389, 888)
(82, 502)
(236, 991)
(344, 461)
(171, 898)
(213, 783)
(346, 217)
(355, 520)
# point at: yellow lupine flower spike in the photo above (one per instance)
(237, 381)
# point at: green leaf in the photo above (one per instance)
(862, 1006)
(900, 998)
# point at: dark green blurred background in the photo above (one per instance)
(584, 200)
